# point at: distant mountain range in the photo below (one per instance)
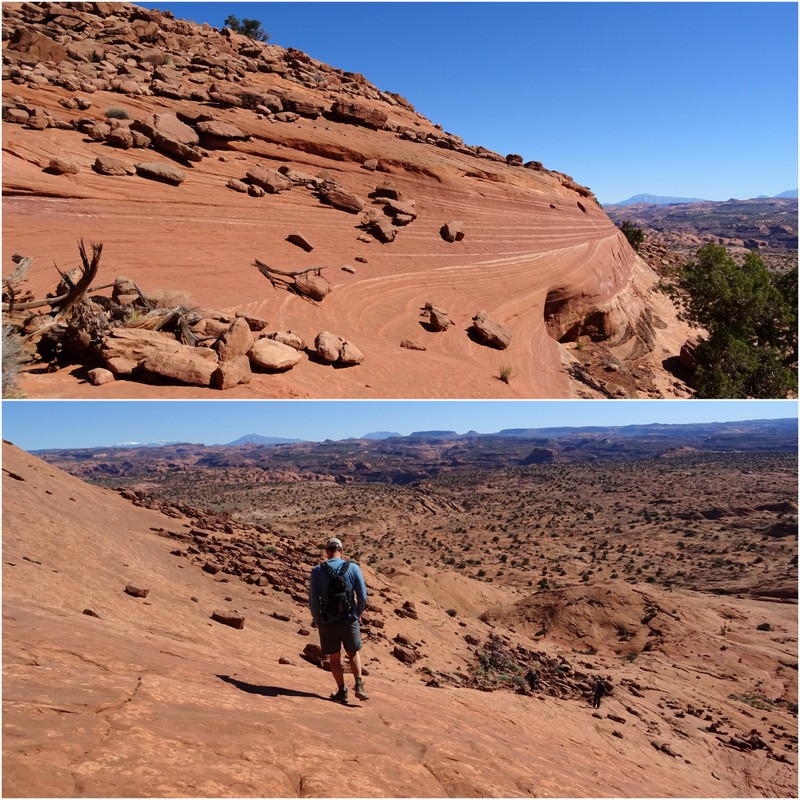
(659, 200)
(257, 438)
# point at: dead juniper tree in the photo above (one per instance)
(78, 319)
(308, 283)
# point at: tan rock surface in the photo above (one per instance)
(151, 697)
(530, 232)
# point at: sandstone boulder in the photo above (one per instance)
(269, 180)
(124, 349)
(489, 332)
(237, 185)
(235, 342)
(231, 618)
(438, 319)
(334, 194)
(216, 133)
(359, 114)
(289, 338)
(312, 285)
(452, 231)
(36, 46)
(333, 349)
(98, 376)
(190, 365)
(232, 372)
(63, 166)
(121, 138)
(273, 355)
(158, 171)
(688, 357)
(301, 241)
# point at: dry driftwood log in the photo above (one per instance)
(308, 283)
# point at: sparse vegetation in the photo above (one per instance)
(505, 373)
(634, 235)
(750, 349)
(115, 112)
(247, 27)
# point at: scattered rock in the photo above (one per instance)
(230, 618)
(165, 173)
(452, 231)
(289, 338)
(99, 376)
(300, 241)
(488, 332)
(63, 166)
(136, 591)
(688, 353)
(437, 317)
(334, 349)
(189, 365)
(235, 342)
(334, 194)
(273, 355)
(107, 165)
(232, 372)
(409, 345)
(270, 181)
(404, 654)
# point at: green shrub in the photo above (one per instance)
(634, 235)
(117, 113)
(750, 349)
(247, 27)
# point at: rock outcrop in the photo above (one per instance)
(253, 142)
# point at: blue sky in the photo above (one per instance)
(684, 99)
(43, 424)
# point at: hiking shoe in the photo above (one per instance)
(341, 695)
(360, 692)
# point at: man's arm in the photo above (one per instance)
(313, 595)
(360, 590)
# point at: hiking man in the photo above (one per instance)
(600, 688)
(337, 598)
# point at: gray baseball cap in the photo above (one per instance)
(333, 544)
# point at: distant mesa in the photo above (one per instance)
(381, 435)
(434, 435)
(657, 200)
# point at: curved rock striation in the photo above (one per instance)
(304, 145)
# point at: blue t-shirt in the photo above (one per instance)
(319, 587)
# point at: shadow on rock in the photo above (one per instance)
(267, 691)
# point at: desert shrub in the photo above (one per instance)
(634, 235)
(750, 350)
(505, 373)
(764, 626)
(115, 112)
(247, 27)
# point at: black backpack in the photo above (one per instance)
(338, 603)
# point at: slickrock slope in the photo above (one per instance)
(222, 115)
(109, 694)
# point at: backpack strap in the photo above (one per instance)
(329, 569)
(343, 569)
